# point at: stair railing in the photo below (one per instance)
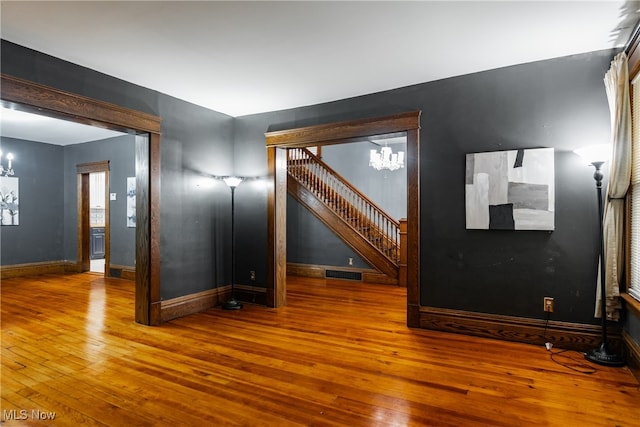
(356, 209)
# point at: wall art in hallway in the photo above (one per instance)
(9, 206)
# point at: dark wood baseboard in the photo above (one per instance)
(632, 354)
(566, 335)
(189, 304)
(36, 268)
(250, 294)
(121, 272)
(61, 267)
(319, 272)
(194, 303)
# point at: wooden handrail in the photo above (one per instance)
(373, 204)
(361, 213)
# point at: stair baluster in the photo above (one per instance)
(347, 202)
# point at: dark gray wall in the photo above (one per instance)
(309, 241)
(632, 326)
(559, 103)
(120, 152)
(39, 237)
(196, 142)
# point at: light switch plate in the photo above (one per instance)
(112, 196)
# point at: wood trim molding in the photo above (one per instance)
(84, 222)
(29, 96)
(573, 336)
(631, 303)
(200, 301)
(93, 167)
(412, 160)
(277, 228)
(334, 132)
(633, 53)
(190, 304)
(249, 294)
(33, 268)
(21, 93)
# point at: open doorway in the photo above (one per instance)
(334, 133)
(93, 216)
(98, 225)
(345, 207)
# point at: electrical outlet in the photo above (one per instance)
(548, 304)
(252, 275)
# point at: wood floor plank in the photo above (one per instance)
(339, 354)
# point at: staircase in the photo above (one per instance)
(362, 225)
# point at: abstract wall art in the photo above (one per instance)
(510, 190)
(9, 206)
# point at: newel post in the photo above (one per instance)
(402, 265)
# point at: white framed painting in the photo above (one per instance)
(510, 190)
(131, 201)
(9, 201)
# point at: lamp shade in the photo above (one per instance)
(595, 153)
(232, 181)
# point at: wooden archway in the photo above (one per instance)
(278, 141)
(33, 97)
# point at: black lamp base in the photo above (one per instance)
(232, 304)
(603, 356)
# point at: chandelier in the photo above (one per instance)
(9, 171)
(386, 159)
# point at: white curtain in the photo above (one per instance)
(617, 86)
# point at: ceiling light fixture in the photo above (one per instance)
(386, 159)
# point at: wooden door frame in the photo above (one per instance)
(84, 171)
(33, 97)
(336, 133)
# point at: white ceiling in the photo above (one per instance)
(243, 57)
(34, 127)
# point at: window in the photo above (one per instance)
(634, 273)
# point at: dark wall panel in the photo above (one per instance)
(309, 241)
(632, 326)
(39, 237)
(123, 238)
(196, 145)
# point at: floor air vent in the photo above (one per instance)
(347, 275)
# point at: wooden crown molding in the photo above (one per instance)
(46, 100)
(340, 131)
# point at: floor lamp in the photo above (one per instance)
(232, 304)
(597, 155)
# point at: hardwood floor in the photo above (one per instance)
(338, 355)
